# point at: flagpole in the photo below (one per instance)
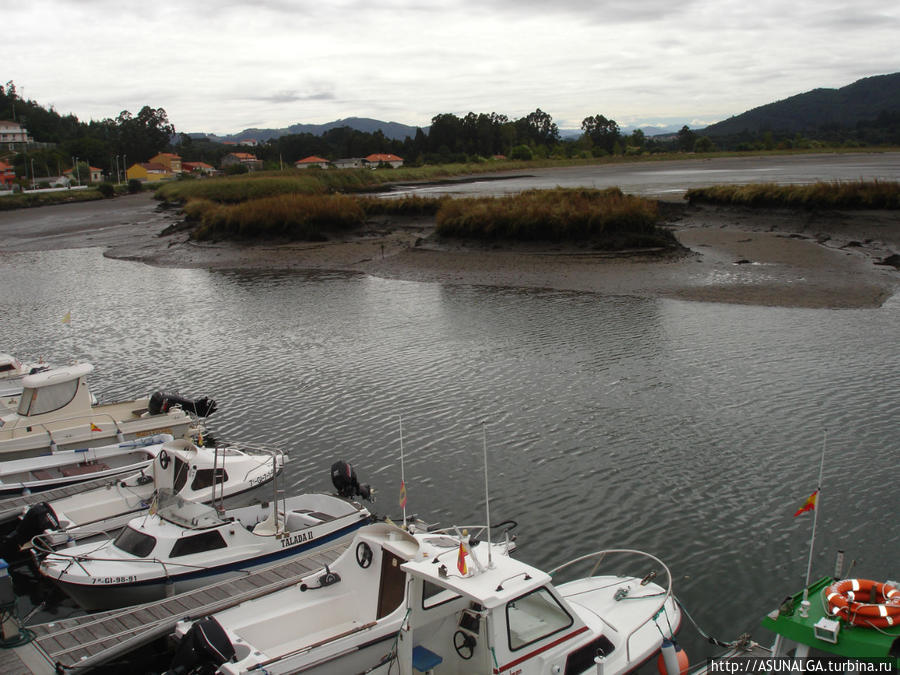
(402, 469)
(818, 506)
(487, 497)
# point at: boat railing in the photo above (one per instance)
(476, 531)
(598, 557)
(90, 418)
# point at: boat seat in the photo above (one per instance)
(268, 527)
(424, 660)
(298, 520)
(83, 469)
(42, 474)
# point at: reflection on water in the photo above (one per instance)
(691, 430)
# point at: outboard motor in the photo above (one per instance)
(160, 402)
(36, 519)
(343, 476)
(203, 649)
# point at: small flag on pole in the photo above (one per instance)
(402, 494)
(461, 560)
(67, 319)
(94, 427)
(808, 505)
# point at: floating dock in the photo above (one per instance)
(84, 642)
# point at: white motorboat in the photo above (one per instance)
(405, 602)
(11, 373)
(221, 475)
(66, 467)
(181, 545)
(57, 412)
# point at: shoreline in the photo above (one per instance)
(732, 255)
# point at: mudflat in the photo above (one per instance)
(828, 259)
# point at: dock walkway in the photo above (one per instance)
(84, 642)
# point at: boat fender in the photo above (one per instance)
(205, 644)
(672, 659)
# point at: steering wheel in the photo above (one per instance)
(464, 644)
(164, 459)
(363, 554)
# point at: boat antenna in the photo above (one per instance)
(487, 497)
(818, 507)
(402, 473)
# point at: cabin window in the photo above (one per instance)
(204, 478)
(434, 595)
(533, 617)
(198, 543)
(5, 367)
(37, 401)
(134, 542)
(180, 470)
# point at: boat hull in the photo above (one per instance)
(117, 592)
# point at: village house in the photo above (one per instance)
(245, 158)
(198, 168)
(12, 134)
(311, 161)
(171, 161)
(96, 176)
(383, 158)
(148, 172)
(7, 175)
(349, 163)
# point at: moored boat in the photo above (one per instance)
(180, 545)
(56, 411)
(12, 370)
(230, 476)
(66, 467)
(401, 601)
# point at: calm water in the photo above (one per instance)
(690, 430)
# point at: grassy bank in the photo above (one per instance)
(609, 219)
(841, 194)
(26, 200)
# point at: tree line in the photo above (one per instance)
(111, 144)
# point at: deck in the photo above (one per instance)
(91, 640)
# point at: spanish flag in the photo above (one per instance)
(94, 427)
(67, 318)
(402, 494)
(809, 504)
(461, 560)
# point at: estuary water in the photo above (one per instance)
(690, 430)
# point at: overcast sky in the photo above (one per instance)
(225, 65)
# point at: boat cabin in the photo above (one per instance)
(48, 392)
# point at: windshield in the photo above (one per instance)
(186, 513)
(37, 401)
(134, 542)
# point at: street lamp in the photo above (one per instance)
(32, 173)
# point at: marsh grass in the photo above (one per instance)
(28, 199)
(292, 216)
(608, 218)
(859, 194)
(410, 205)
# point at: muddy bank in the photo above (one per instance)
(732, 255)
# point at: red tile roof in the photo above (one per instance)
(312, 159)
(383, 157)
(243, 155)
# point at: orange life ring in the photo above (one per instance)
(864, 602)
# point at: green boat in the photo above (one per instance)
(802, 627)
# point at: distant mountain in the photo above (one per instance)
(863, 100)
(391, 130)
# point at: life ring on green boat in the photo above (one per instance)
(864, 602)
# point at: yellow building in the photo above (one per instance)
(171, 161)
(148, 172)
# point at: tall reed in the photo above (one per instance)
(860, 194)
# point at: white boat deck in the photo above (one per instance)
(88, 641)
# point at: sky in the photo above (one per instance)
(222, 66)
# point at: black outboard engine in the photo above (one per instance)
(37, 519)
(203, 649)
(160, 402)
(343, 476)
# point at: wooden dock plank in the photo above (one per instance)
(71, 641)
